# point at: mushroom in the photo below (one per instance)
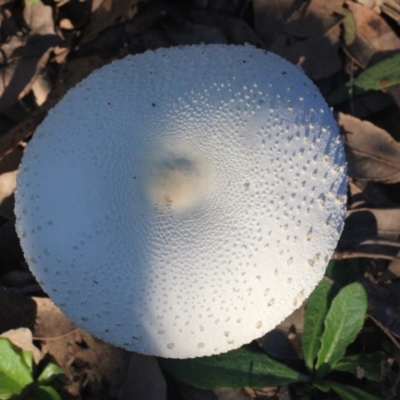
(184, 201)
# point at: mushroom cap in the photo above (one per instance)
(184, 201)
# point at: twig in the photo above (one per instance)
(55, 337)
(381, 242)
(359, 254)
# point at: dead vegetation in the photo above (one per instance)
(47, 47)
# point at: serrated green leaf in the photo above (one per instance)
(318, 305)
(49, 372)
(369, 363)
(15, 374)
(381, 75)
(347, 392)
(344, 320)
(235, 369)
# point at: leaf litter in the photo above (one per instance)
(351, 51)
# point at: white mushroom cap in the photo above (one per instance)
(183, 202)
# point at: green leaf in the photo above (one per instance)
(366, 364)
(322, 385)
(235, 369)
(317, 307)
(49, 372)
(347, 392)
(381, 75)
(343, 272)
(342, 323)
(42, 392)
(15, 373)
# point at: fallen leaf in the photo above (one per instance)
(70, 74)
(318, 56)
(38, 18)
(315, 18)
(367, 194)
(105, 15)
(373, 35)
(310, 37)
(371, 231)
(22, 338)
(236, 30)
(83, 357)
(185, 32)
(19, 73)
(373, 4)
(391, 8)
(384, 304)
(8, 182)
(144, 380)
(394, 268)
(270, 16)
(372, 154)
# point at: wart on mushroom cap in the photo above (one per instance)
(183, 202)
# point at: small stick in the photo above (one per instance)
(359, 254)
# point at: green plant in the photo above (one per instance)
(333, 319)
(21, 379)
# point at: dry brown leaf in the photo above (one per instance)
(144, 380)
(373, 4)
(22, 338)
(373, 35)
(368, 194)
(7, 187)
(392, 8)
(394, 268)
(75, 350)
(185, 32)
(317, 56)
(270, 17)
(11, 48)
(70, 75)
(309, 36)
(106, 14)
(235, 30)
(384, 304)
(314, 18)
(8, 182)
(372, 154)
(19, 73)
(371, 231)
(38, 18)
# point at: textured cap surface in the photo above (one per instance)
(183, 202)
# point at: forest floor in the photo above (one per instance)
(47, 47)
